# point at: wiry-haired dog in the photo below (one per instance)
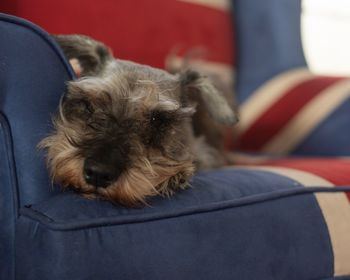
(124, 130)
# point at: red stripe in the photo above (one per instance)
(278, 115)
(144, 31)
(336, 171)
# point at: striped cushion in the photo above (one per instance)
(299, 113)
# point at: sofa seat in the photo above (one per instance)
(244, 222)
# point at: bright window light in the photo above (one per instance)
(326, 35)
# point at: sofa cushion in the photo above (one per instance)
(257, 222)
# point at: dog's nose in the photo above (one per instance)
(99, 174)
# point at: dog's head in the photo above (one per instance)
(126, 134)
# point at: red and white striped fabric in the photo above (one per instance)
(336, 171)
(287, 109)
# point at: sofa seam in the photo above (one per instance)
(56, 225)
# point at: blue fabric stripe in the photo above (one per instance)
(269, 41)
(331, 137)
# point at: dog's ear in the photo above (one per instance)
(87, 56)
(194, 87)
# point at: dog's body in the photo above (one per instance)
(124, 130)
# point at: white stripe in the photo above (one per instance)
(268, 94)
(312, 114)
(216, 4)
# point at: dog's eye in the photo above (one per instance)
(160, 118)
(88, 108)
(160, 123)
(155, 116)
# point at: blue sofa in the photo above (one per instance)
(235, 223)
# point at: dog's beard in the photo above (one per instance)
(134, 185)
(146, 179)
(150, 173)
(148, 176)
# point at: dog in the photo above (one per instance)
(124, 131)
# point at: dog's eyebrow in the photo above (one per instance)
(145, 81)
(167, 105)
